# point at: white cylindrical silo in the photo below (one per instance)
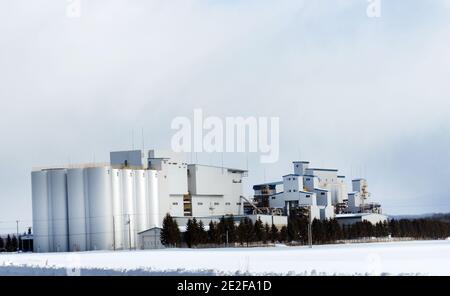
(128, 199)
(118, 222)
(100, 208)
(76, 210)
(153, 200)
(58, 199)
(39, 196)
(140, 177)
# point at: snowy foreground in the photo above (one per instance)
(399, 258)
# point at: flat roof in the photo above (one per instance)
(218, 167)
(320, 189)
(295, 175)
(326, 170)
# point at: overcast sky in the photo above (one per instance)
(370, 96)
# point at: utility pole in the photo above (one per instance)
(129, 231)
(17, 224)
(114, 234)
(309, 228)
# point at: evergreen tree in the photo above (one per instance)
(273, 233)
(266, 233)
(231, 228)
(258, 229)
(188, 235)
(2, 243)
(226, 228)
(283, 237)
(213, 233)
(170, 234)
(8, 245)
(242, 232)
(203, 235)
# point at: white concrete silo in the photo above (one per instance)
(129, 217)
(58, 204)
(100, 208)
(118, 222)
(140, 177)
(76, 210)
(41, 213)
(153, 200)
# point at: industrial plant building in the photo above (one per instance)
(322, 192)
(105, 206)
(121, 204)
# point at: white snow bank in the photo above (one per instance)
(399, 258)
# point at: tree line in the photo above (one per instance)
(226, 232)
(9, 243)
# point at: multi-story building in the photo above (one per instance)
(322, 191)
(104, 206)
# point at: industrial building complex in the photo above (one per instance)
(323, 192)
(121, 204)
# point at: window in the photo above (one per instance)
(200, 203)
(216, 203)
(273, 197)
(323, 193)
(295, 190)
(175, 203)
(238, 203)
(227, 203)
(308, 195)
(289, 179)
(293, 179)
(290, 190)
(308, 179)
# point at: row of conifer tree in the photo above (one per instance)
(9, 243)
(226, 232)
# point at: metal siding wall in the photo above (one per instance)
(100, 208)
(58, 197)
(141, 200)
(76, 210)
(128, 208)
(116, 184)
(154, 217)
(40, 207)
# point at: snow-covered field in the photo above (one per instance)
(399, 258)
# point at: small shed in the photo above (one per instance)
(150, 239)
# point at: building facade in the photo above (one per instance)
(323, 192)
(105, 206)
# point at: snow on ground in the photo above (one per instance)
(394, 258)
